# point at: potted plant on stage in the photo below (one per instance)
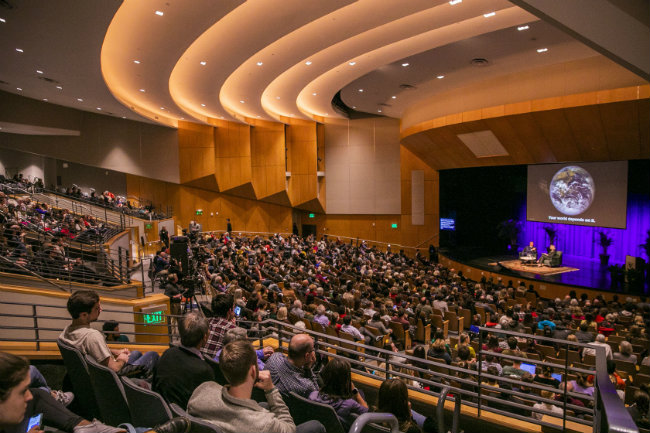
(509, 231)
(604, 241)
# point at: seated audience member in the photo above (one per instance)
(38, 381)
(625, 353)
(583, 384)
(236, 334)
(600, 342)
(512, 349)
(84, 307)
(393, 398)
(182, 369)
(320, 316)
(339, 392)
(463, 340)
(348, 328)
(294, 371)
(583, 335)
(545, 377)
(231, 408)
(639, 410)
(112, 332)
(438, 351)
(546, 406)
(223, 320)
(376, 322)
(492, 361)
(513, 370)
(19, 402)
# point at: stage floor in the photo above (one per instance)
(589, 273)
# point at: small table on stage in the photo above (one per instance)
(528, 259)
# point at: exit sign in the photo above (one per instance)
(199, 211)
(311, 215)
(393, 226)
(154, 318)
(148, 226)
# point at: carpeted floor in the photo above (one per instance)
(516, 265)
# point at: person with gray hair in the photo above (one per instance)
(183, 368)
(600, 342)
(625, 353)
(237, 334)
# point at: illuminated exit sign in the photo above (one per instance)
(154, 314)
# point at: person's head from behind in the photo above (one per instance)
(222, 306)
(464, 353)
(512, 343)
(642, 401)
(393, 398)
(301, 351)
(194, 330)
(625, 348)
(14, 388)
(337, 382)
(235, 334)
(347, 320)
(238, 362)
(84, 304)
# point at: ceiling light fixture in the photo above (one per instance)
(440, 77)
(520, 28)
(354, 106)
(242, 101)
(59, 87)
(361, 90)
(20, 50)
(45, 99)
(378, 111)
(162, 108)
(277, 97)
(202, 105)
(542, 50)
(80, 100)
(260, 63)
(2, 20)
(137, 62)
(393, 97)
(19, 89)
(314, 94)
(258, 116)
(99, 108)
(123, 117)
(160, 13)
(488, 15)
(308, 62)
(405, 64)
(38, 71)
(455, 2)
(142, 90)
(203, 63)
(352, 63)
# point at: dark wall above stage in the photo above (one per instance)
(480, 198)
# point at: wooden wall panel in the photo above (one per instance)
(232, 155)
(302, 162)
(268, 158)
(195, 151)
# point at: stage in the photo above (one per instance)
(577, 272)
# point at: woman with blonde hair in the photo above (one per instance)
(282, 314)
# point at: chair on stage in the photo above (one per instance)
(554, 261)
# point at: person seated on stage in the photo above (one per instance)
(547, 257)
(530, 250)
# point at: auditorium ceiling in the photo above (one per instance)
(165, 61)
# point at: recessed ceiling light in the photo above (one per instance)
(455, 2)
(38, 71)
(314, 94)
(490, 14)
(360, 90)
(45, 99)
(203, 63)
(137, 62)
(378, 111)
(393, 97)
(160, 13)
(440, 77)
(162, 108)
(20, 50)
(277, 97)
(354, 106)
(405, 64)
(80, 100)
(182, 118)
(308, 62)
(352, 63)
(520, 28)
(123, 117)
(242, 101)
(258, 116)
(260, 63)
(2, 20)
(142, 90)
(99, 108)
(542, 50)
(202, 105)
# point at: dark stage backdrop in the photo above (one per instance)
(480, 198)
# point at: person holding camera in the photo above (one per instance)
(175, 294)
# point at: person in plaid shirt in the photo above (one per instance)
(223, 320)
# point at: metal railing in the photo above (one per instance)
(464, 386)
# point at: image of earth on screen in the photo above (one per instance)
(580, 193)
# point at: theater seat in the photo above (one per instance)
(197, 425)
(147, 408)
(77, 371)
(557, 260)
(109, 393)
(303, 410)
